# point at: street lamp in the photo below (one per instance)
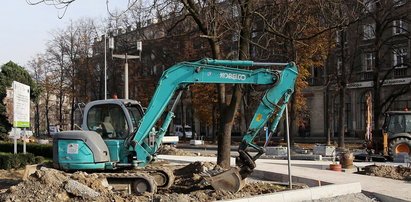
(126, 57)
(111, 46)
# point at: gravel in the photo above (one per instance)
(358, 197)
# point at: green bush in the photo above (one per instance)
(45, 150)
(9, 161)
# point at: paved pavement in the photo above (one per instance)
(315, 170)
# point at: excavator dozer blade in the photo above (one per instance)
(229, 180)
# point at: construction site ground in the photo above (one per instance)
(53, 185)
(316, 172)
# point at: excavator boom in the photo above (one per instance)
(180, 76)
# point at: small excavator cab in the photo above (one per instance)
(115, 119)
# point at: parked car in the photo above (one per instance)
(178, 131)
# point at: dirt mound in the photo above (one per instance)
(394, 172)
(9, 178)
(196, 168)
(171, 150)
(49, 184)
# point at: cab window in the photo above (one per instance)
(400, 123)
(109, 121)
(135, 115)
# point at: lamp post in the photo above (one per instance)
(111, 46)
(126, 57)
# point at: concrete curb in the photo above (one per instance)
(306, 194)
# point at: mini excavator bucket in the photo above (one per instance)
(233, 180)
(229, 180)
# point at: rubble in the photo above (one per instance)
(394, 172)
(171, 150)
(78, 189)
(49, 184)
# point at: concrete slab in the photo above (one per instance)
(314, 171)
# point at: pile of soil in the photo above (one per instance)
(9, 178)
(171, 150)
(394, 172)
(48, 184)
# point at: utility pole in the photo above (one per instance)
(126, 57)
(111, 46)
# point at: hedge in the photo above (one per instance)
(45, 150)
(9, 161)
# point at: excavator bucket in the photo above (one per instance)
(229, 180)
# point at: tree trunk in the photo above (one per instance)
(341, 119)
(37, 119)
(214, 126)
(342, 90)
(327, 112)
(227, 119)
(192, 120)
(47, 115)
(376, 102)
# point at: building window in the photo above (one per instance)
(235, 37)
(399, 58)
(369, 31)
(368, 62)
(339, 66)
(398, 27)
(254, 31)
(236, 12)
(369, 5)
(253, 51)
(399, 2)
(338, 36)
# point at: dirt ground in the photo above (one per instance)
(171, 150)
(9, 178)
(48, 184)
(393, 172)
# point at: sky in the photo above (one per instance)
(25, 29)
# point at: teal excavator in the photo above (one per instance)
(119, 141)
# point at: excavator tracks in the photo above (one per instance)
(138, 181)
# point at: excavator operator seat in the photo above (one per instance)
(108, 129)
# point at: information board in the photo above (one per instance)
(21, 105)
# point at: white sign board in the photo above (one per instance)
(388, 82)
(21, 105)
(365, 84)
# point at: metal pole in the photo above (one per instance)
(24, 140)
(105, 66)
(15, 140)
(126, 79)
(288, 148)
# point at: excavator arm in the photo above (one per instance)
(180, 76)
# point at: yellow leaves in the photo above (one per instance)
(204, 98)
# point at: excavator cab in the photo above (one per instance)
(113, 119)
(100, 145)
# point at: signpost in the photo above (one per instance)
(21, 111)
